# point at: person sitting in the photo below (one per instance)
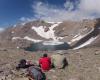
(45, 62)
(59, 61)
(23, 64)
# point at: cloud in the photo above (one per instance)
(2, 29)
(90, 6)
(82, 9)
(24, 19)
(69, 5)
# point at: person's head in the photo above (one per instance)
(45, 55)
(21, 64)
(22, 61)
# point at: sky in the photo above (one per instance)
(15, 11)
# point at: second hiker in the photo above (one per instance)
(45, 62)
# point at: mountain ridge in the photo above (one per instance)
(70, 32)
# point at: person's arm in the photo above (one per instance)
(65, 63)
(40, 62)
(50, 60)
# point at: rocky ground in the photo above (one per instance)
(84, 64)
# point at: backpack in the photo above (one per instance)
(35, 73)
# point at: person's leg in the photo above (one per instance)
(52, 65)
(44, 76)
(65, 63)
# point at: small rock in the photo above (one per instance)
(2, 77)
(52, 70)
(9, 77)
(46, 29)
(8, 65)
(97, 52)
(54, 77)
(21, 79)
(1, 71)
(99, 69)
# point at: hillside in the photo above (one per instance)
(71, 32)
(84, 64)
(79, 41)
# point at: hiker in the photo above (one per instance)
(35, 73)
(23, 64)
(59, 60)
(45, 62)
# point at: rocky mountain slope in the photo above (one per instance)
(84, 63)
(75, 33)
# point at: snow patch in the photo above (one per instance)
(27, 38)
(52, 43)
(59, 38)
(86, 43)
(69, 42)
(52, 22)
(12, 32)
(49, 34)
(79, 36)
(14, 38)
(75, 36)
(84, 29)
(31, 39)
(23, 23)
(17, 47)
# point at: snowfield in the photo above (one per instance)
(49, 34)
(86, 43)
(31, 39)
(37, 41)
(27, 38)
(79, 36)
